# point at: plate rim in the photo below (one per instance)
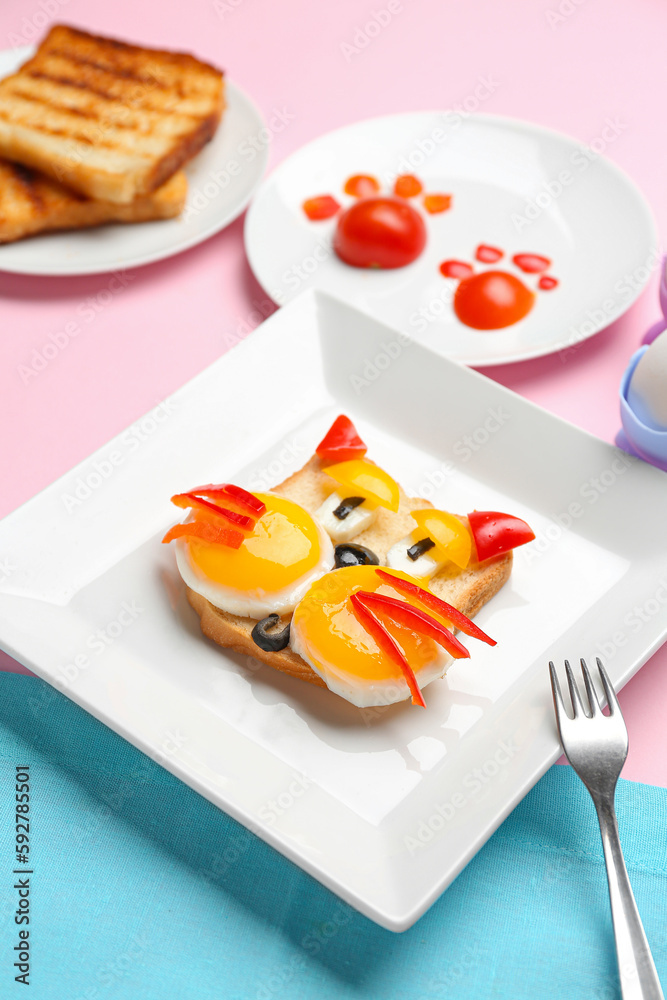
(142, 260)
(484, 117)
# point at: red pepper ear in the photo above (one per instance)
(495, 533)
(341, 443)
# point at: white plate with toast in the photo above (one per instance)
(515, 188)
(384, 806)
(221, 179)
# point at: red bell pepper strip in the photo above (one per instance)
(453, 616)
(407, 186)
(252, 504)
(406, 614)
(435, 203)
(323, 206)
(341, 443)
(386, 643)
(208, 531)
(361, 186)
(190, 500)
(495, 533)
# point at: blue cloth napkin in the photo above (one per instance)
(142, 889)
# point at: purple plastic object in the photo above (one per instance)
(661, 325)
(636, 438)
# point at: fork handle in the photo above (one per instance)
(639, 980)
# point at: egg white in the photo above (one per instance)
(423, 567)
(365, 694)
(255, 603)
(359, 518)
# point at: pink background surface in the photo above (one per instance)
(567, 64)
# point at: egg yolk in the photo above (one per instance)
(335, 641)
(281, 548)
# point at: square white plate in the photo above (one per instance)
(383, 806)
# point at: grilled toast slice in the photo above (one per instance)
(468, 590)
(109, 120)
(31, 203)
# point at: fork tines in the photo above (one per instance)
(594, 706)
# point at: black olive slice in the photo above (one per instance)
(344, 508)
(349, 554)
(274, 642)
(419, 548)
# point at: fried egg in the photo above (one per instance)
(327, 635)
(272, 569)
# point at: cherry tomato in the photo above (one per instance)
(492, 300)
(383, 232)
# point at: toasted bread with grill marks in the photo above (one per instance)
(111, 121)
(468, 589)
(31, 203)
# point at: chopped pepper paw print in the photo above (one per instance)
(493, 299)
(378, 230)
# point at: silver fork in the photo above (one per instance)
(596, 746)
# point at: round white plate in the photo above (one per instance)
(218, 193)
(515, 186)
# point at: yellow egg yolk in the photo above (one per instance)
(281, 548)
(334, 640)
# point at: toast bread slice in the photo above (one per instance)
(31, 203)
(467, 590)
(109, 120)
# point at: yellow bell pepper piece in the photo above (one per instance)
(451, 537)
(364, 479)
